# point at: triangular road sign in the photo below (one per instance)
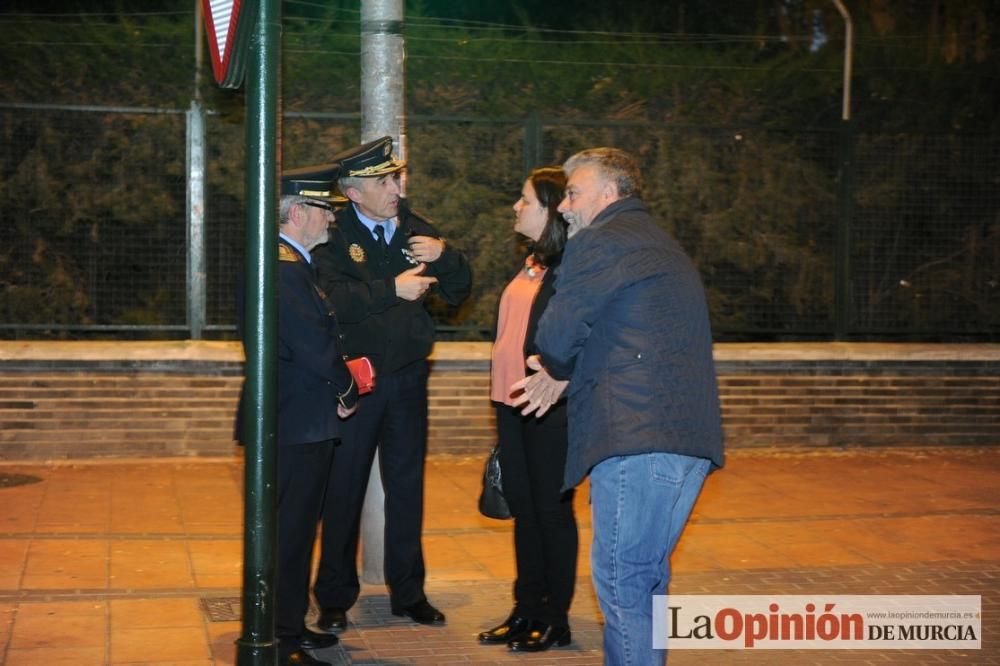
(228, 24)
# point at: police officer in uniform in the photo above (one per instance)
(316, 393)
(381, 260)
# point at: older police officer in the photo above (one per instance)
(315, 394)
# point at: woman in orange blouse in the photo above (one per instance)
(533, 450)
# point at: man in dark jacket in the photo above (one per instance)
(628, 328)
(315, 393)
(381, 260)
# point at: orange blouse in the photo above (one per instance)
(512, 327)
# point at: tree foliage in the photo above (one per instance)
(733, 108)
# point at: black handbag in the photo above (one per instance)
(492, 503)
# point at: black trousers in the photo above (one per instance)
(393, 418)
(532, 461)
(303, 470)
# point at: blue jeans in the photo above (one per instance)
(640, 504)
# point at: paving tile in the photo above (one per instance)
(852, 522)
(158, 645)
(73, 513)
(13, 554)
(153, 613)
(731, 547)
(37, 631)
(7, 611)
(819, 554)
(21, 503)
(66, 564)
(230, 529)
(446, 559)
(141, 520)
(171, 662)
(77, 499)
(149, 564)
(210, 507)
(73, 655)
(217, 563)
(55, 611)
(493, 552)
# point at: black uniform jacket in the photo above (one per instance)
(391, 331)
(312, 376)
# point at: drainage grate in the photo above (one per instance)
(221, 609)
(11, 480)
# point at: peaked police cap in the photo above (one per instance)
(369, 160)
(315, 182)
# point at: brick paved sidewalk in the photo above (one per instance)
(138, 561)
(376, 637)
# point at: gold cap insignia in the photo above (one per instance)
(370, 160)
(356, 252)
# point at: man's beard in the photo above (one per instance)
(573, 226)
(323, 238)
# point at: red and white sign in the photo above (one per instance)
(227, 23)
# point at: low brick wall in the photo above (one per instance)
(84, 399)
(859, 394)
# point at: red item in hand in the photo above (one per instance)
(364, 374)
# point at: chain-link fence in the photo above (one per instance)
(92, 222)
(95, 219)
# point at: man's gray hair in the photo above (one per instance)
(350, 181)
(614, 164)
(285, 206)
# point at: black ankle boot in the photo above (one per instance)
(511, 628)
(541, 637)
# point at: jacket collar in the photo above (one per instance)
(621, 206)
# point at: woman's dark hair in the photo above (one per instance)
(550, 186)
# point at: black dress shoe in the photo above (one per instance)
(512, 628)
(332, 619)
(541, 637)
(303, 657)
(421, 612)
(313, 640)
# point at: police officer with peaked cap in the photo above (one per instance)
(381, 261)
(316, 397)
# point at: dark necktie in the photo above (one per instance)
(382, 245)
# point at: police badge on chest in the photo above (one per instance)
(357, 253)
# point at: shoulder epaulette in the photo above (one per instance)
(286, 253)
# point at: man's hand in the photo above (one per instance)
(426, 248)
(411, 285)
(344, 412)
(540, 390)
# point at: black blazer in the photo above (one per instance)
(545, 292)
(312, 375)
(391, 331)
(538, 306)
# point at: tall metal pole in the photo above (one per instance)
(382, 71)
(382, 89)
(842, 301)
(199, 48)
(257, 645)
(845, 113)
(196, 192)
(196, 268)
